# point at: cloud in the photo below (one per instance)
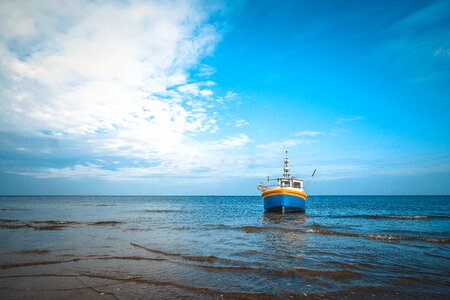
(240, 123)
(232, 142)
(231, 95)
(283, 145)
(417, 46)
(347, 168)
(441, 52)
(112, 81)
(350, 119)
(433, 13)
(308, 133)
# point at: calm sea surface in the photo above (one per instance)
(223, 247)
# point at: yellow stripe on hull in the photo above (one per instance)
(284, 191)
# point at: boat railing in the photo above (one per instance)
(272, 186)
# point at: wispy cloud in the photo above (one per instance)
(283, 145)
(350, 119)
(347, 168)
(240, 123)
(232, 142)
(308, 133)
(417, 47)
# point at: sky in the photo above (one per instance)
(205, 97)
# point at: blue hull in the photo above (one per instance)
(284, 203)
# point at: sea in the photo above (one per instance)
(214, 247)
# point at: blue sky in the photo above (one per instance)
(197, 97)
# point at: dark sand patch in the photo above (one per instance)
(51, 224)
(105, 223)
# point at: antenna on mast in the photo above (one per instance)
(286, 166)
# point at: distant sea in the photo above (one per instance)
(223, 247)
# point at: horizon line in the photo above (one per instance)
(215, 195)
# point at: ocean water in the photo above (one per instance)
(223, 247)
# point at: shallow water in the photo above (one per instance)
(223, 247)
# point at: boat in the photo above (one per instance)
(287, 195)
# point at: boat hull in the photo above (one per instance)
(283, 200)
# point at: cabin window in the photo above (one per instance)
(296, 185)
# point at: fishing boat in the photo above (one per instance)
(287, 195)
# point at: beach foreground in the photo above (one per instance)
(223, 247)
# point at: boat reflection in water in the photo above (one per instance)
(285, 231)
(286, 219)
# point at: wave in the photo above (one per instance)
(103, 223)
(183, 228)
(133, 257)
(50, 224)
(36, 263)
(53, 222)
(36, 251)
(326, 232)
(439, 234)
(352, 292)
(227, 268)
(199, 290)
(418, 280)
(21, 225)
(355, 292)
(367, 266)
(436, 255)
(419, 217)
(73, 258)
(98, 205)
(210, 258)
(335, 275)
(248, 253)
(138, 229)
(311, 229)
(393, 238)
(393, 217)
(159, 211)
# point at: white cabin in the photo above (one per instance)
(284, 182)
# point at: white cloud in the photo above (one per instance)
(286, 144)
(350, 119)
(308, 133)
(240, 123)
(231, 95)
(112, 79)
(233, 142)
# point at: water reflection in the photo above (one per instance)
(283, 237)
(284, 219)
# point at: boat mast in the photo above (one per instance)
(286, 167)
